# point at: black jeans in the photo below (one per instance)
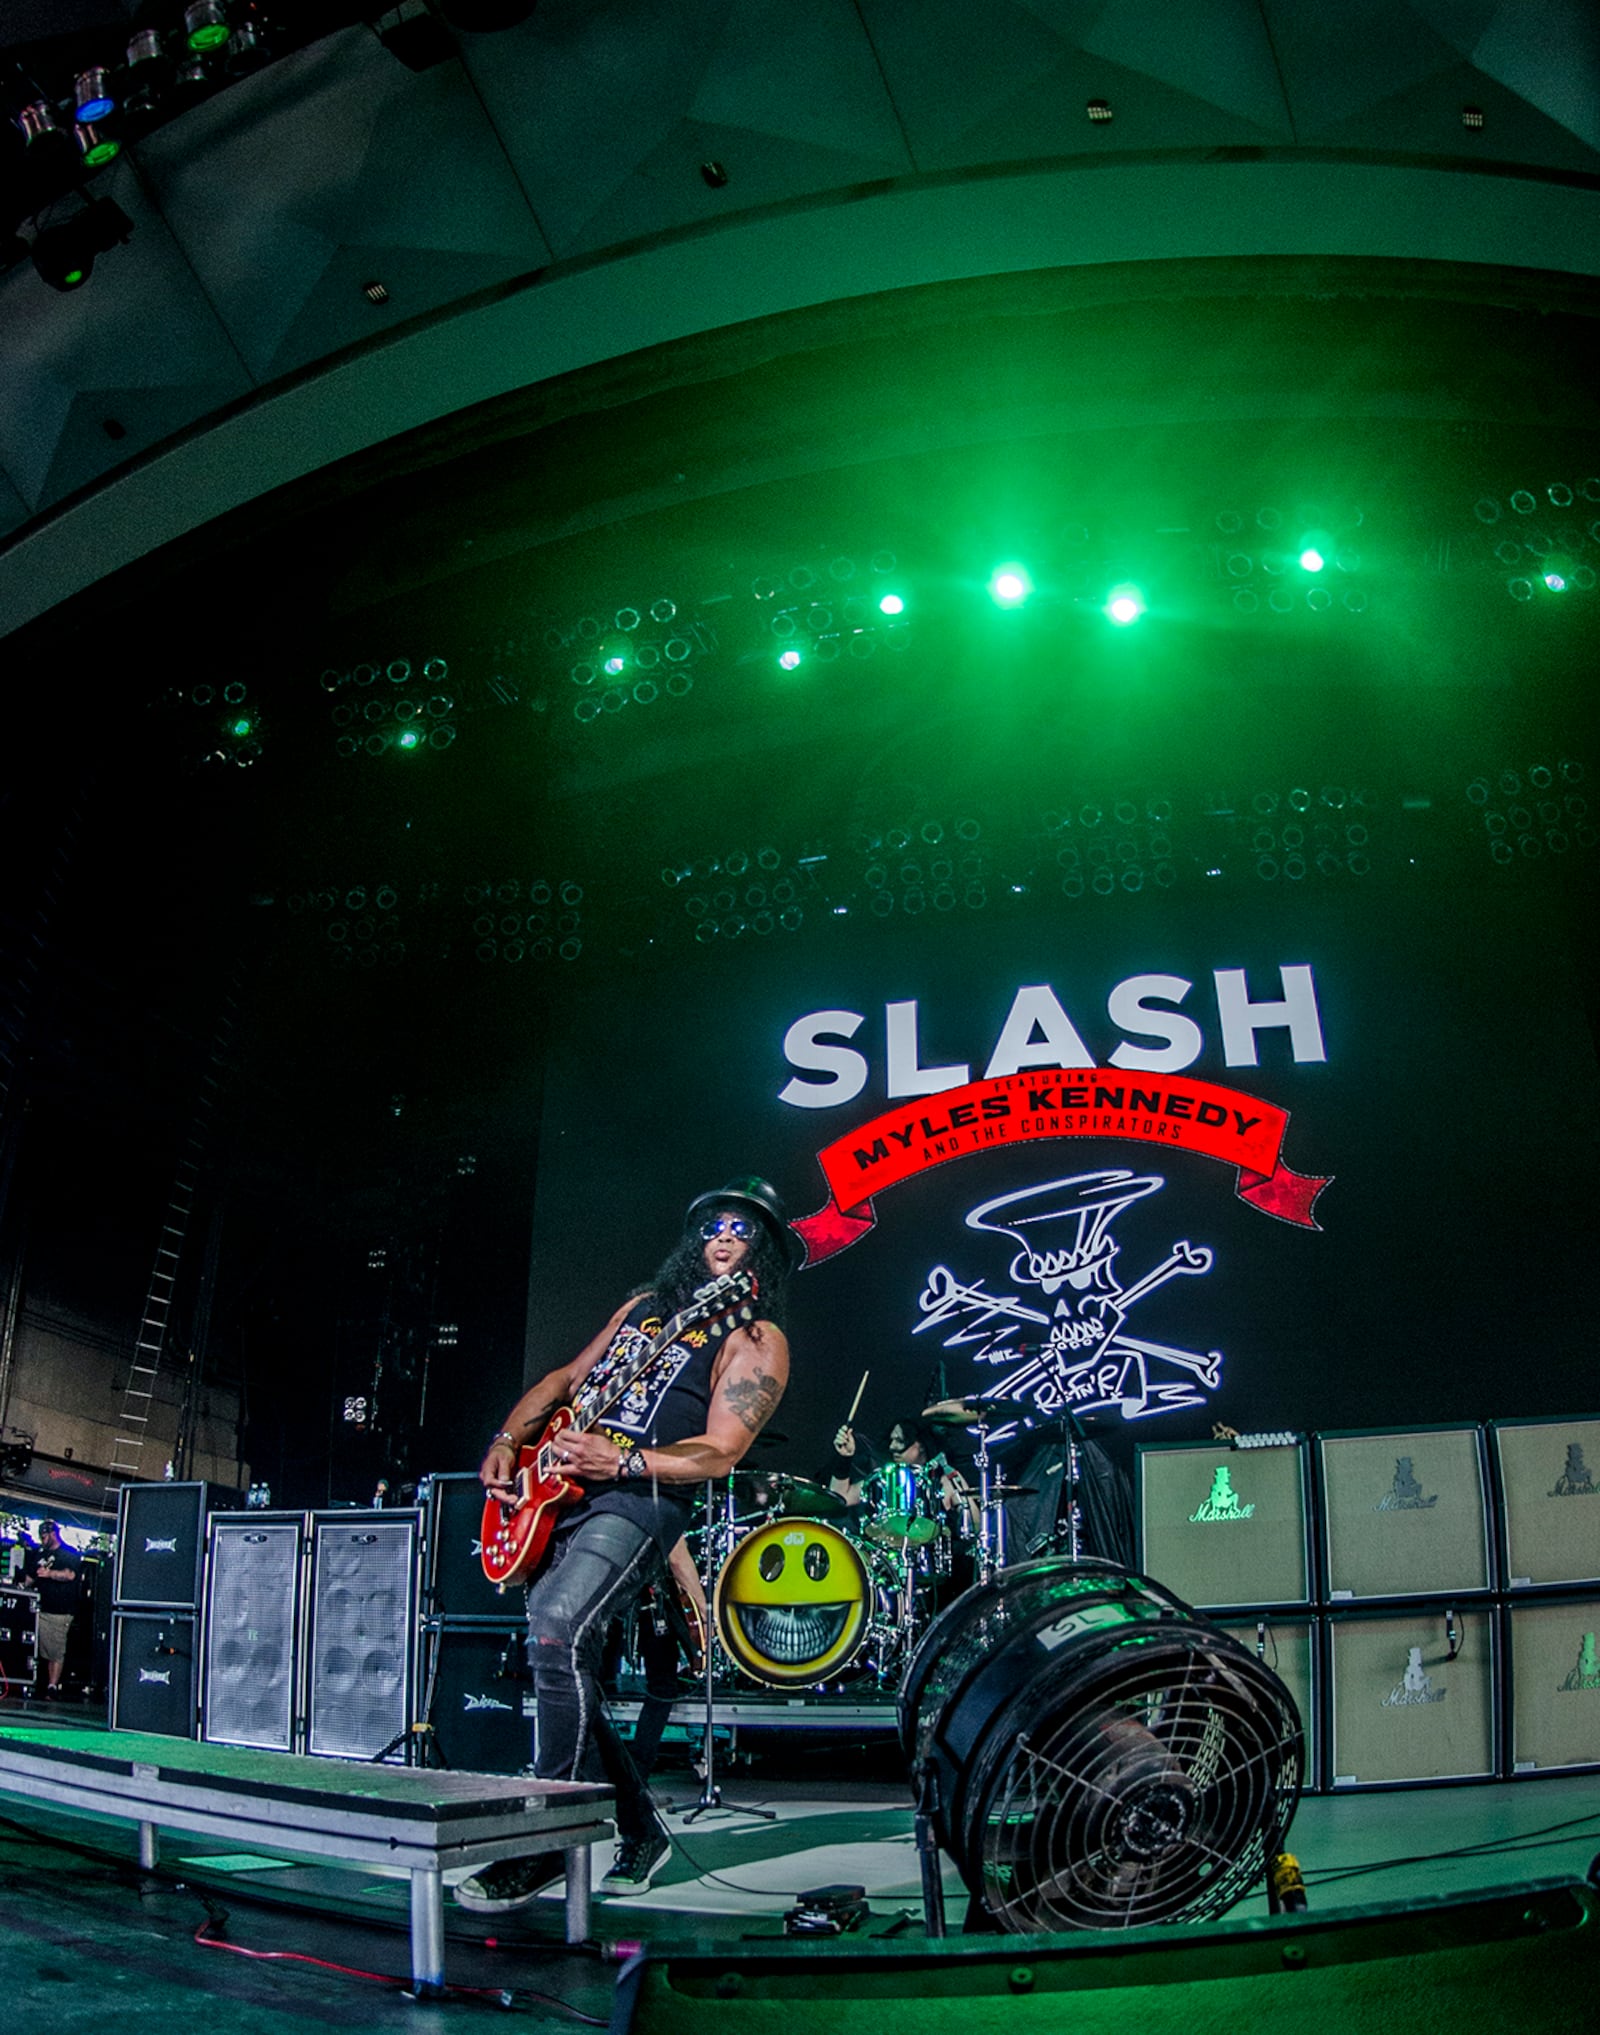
(596, 1570)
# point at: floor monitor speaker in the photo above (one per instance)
(1554, 1674)
(251, 1650)
(1523, 1957)
(161, 1532)
(1547, 1473)
(1225, 1527)
(1404, 1513)
(154, 1679)
(359, 1650)
(482, 1709)
(19, 1641)
(1412, 1696)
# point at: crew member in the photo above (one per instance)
(690, 1415)
(54, 1570)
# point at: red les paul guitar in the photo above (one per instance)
(516, 1530)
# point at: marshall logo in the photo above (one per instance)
(483, 1703)
(161, 1675)
(160, 1547)
(1586, 1675)
(1405, 1493)
(1577, 1479)
(1222, 1504)
(1415, 1686)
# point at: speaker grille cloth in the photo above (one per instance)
(1225, 1526)
(1404, 1514)
(251, 1600)
(361, 1618)
(1402, 1709)
(1550, 1483)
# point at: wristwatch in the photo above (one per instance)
(510, 1440)
(632, 1464)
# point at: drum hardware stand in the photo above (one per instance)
(928, 1860)
(991, 1517)
(710, 1793)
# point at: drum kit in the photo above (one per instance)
(809, 1590)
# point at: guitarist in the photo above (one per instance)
(691, 1415)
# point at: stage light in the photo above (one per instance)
(1311, 559)
(789, 660)
(91, 93)
(205, 26)
(1125, 604)
(409, 739)
(892, 604)
(1009, 586)
(242, 726)
(97, 149)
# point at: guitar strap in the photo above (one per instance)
(714, 1321)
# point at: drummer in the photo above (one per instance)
(909, 1443)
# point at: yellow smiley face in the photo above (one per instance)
(792, 1602)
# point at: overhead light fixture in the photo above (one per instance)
(64, 255)
(91, 94)
(1009, 586)
(205, 26)
(1125, 604)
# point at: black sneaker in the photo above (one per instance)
(510, 1883)
(636, 1863)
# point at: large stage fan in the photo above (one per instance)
(1094, 1755)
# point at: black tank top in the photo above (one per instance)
(668, 1403)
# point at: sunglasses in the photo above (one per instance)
(736, 1225)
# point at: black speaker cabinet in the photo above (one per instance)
(1553, 1673)
(1225, 1527)
(1401, 1709)
(161, 1531)
(251, 1648)
(154, 1673)
(19, 1641)
(1292, 1647)
(456, 1587)
(1404, 1513)
(482, 1711)
(1547, 1474)
(360, 1642)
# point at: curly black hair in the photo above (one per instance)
(684, 1270)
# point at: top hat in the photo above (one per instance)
(763, 1201)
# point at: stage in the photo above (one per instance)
(88, 1934)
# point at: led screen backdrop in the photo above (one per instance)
(1314, 1167)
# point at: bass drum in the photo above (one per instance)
(794, 1603)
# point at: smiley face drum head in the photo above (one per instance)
(794, 1603)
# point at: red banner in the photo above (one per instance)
(1237, 1130)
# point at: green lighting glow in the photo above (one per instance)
(892, 604)
(1311, 559)
(73, 277)
(242, 726)
(212, 36)
(1124, 604)
(1556, 582)
(1009, 586)
(615, 665)
(410, 739)
(102, 153)
(789, 660)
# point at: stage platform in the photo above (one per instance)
(87, 1936)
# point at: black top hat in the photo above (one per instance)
(763, 1201)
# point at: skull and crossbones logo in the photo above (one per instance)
(1085, 1357)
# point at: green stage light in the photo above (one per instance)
(789, 660)
(1555, 580)
(1009, 586)
(242, 726)
(410, 739)
(1124, 604)
(892, 604)
(1311, 559)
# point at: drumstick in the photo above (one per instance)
(850, 1416)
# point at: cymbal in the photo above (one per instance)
(810, 1501)
(1005, 1491)
(976, 1412)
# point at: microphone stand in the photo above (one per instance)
(710, 1793)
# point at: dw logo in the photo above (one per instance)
(161, 1675)
(161, 1547)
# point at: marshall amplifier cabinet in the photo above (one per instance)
(153, 1673)
(1547, 1478)
(1292, 1647)
(1553, 1651)
(1404, 1513)
(161, 1538)
(455, 1586)
(1412, 1696)
(251, 1647)
(1226, 1526)
(19, 1637)
(481, 1713)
